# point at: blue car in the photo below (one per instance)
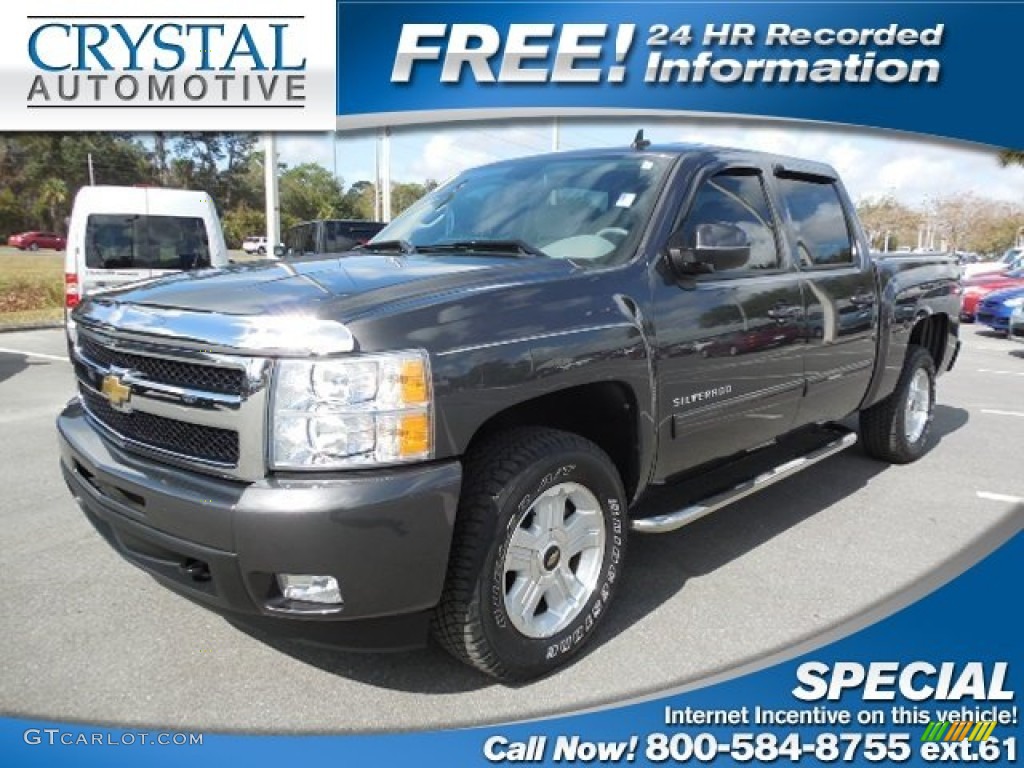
(994, 310)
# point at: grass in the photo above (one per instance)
(31, 287)
(30, 318)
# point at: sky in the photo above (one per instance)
(872, 163)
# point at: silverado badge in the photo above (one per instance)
(118, 393)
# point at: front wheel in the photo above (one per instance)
(896, 429)
(34, 247)
(537, 551)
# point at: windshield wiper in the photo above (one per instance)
(517, 248)
(402, 246)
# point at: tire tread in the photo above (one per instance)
(881, 424)
(489, 468)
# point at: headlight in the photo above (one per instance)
(1017, 302)
(356, 411)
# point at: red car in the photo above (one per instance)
(33, 241)
(978, 287)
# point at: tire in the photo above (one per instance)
(514, 486)
(34, 247)
(893, 430)
(261, 251)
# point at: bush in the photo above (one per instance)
(240, 223)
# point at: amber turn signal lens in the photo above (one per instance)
(414, 383)
(413, 435)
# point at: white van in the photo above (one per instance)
(120, 235)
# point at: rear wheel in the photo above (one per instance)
(34, 247)
(896, 429)
(261, 251)
(537, 551)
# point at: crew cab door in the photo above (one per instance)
(729, 343)
(839, 292)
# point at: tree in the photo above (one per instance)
(53, 194)
(309, 191)
(887, 222)
(241, 222)
(405, 194)
(1011, 157)
(360, 200)
(968, 222)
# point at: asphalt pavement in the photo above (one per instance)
(88, 637)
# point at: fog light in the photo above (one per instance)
(309, 588)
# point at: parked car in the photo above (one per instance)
(995, 309)
(978, 287)
(327, 236)
(255, 245)
(1017, 323)
(1009, 260)
(120, 235)
(33, 241)
(458, 425)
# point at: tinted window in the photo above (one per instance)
(301, 239)
(338, 237)
(823, 237)
(591, 209)
(119, 241)
(738, 200)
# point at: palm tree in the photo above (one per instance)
(1011, 157)
(53, 193)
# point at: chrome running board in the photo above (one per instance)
(675, 520)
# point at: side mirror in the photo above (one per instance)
(709, 247)
(279, 251)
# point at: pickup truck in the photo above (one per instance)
(457, 427)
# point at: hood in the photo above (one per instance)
(1004, 294)
(340, 286)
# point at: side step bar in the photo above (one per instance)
(675, 520)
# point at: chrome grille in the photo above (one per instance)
(193, 440)
(187, 407)
(203, 377)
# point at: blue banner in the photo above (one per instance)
(928, 68)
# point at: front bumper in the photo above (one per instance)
(384, 535)
(997, 319)
(1017, 325)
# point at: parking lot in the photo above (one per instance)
(88, 637)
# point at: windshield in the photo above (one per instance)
(1011, 255)
(590, 209)
(131, 241)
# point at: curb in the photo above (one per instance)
(31, 327)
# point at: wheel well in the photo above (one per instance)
(932, 334)
(603, 412)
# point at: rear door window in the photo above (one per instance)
(816, 213)
(130, 241)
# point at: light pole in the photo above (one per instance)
(273, 203)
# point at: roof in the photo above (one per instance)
(704, 152)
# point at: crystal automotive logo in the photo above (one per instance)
(166, 61)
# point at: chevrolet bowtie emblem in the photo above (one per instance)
(118, 393)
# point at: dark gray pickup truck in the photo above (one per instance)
(457, 426)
